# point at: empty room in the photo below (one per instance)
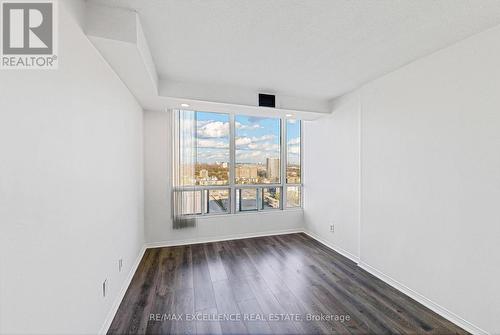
(249, 167)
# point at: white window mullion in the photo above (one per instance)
(232, 167)
(283, 162)
(203, 202)
(301, 161)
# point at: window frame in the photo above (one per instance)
(233, 187)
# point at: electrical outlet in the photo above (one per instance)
(120, 265)
(104, 287)
(332, 228)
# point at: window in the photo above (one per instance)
(293, 196)
(293, 152)
(217, 201)
(293, 164)
(247, 199)
(257, 150)
(226, 163)
(204, 157)
(271, 198)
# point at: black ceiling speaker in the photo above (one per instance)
(267, 100)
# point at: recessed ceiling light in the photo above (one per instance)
(289, 115)
(184, 105)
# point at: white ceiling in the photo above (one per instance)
(319, 49)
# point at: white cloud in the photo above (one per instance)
(209, 143)
(201, 123)
(218, 129)
(243, 141)
(294, 141)
(252, 142)
(263, 138)
(213, 155)
(247, 155)
(215, 129)
(265, 146)
(241, 126)
(294, 149)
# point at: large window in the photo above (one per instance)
(228, 163)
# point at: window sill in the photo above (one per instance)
(213, 216)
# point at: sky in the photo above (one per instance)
(256, 138)
(212, 137)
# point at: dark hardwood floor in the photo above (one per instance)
(287, 284)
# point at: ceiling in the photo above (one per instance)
(318, 49)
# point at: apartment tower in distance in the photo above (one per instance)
(273, 169)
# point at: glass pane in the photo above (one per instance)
(217, 201)
(204, 148)
(187, 149)
(246, 199)
(190, 202)
(271, 198)
(212, 146)
(292, 196)
(293, 151)
(257, 150)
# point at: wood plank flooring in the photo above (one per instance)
(286, 284)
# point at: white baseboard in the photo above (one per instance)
(161, 244)
(335, 248)
(445, 313)
(452, 317)
(116, 303)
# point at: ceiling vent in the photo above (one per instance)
(267, 100)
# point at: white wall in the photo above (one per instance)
(331, 158)
(70, 190)
(430, 178)
(157, 186)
